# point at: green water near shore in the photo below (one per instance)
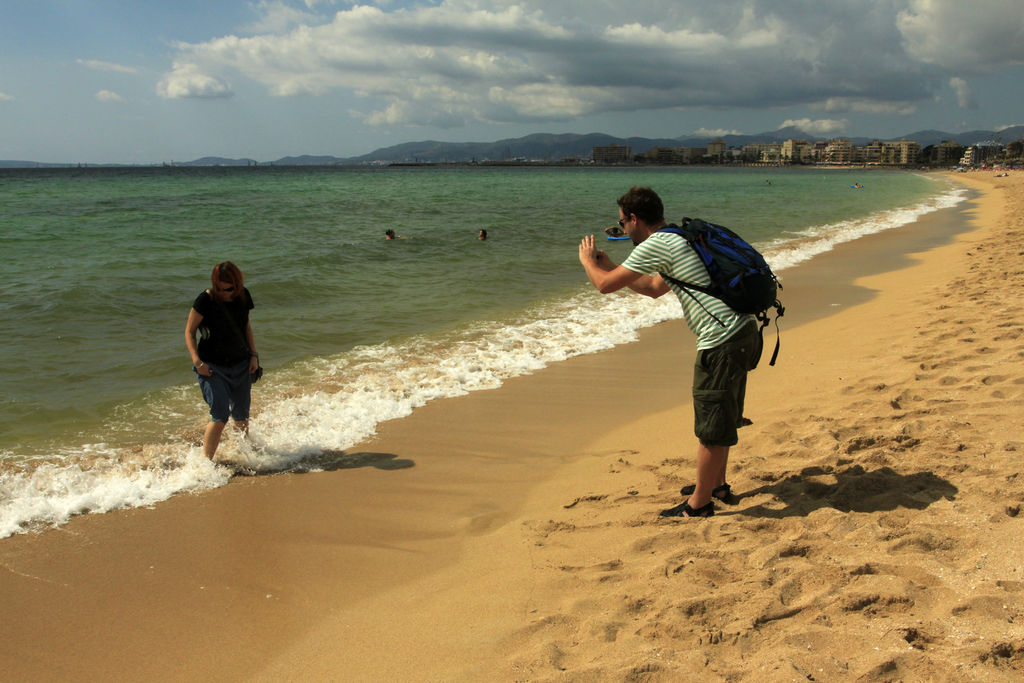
(101, 265)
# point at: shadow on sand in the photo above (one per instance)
(854, 489)
(329, 461)
(340, 460)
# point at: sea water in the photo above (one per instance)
(99, 408)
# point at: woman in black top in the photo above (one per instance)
(225, 356)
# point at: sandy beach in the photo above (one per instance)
(513, 534)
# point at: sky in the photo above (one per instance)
(151, 81)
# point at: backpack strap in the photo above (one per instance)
(780, 311)
(687, 286)
(676, 230)
(762, 317)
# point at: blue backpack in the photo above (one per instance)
(740, 276)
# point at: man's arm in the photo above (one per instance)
(608, 277)
(649, 285)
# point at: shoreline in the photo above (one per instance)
(479, 537)
(319, 402)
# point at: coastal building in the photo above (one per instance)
(839, 151)
(945, 153)
(820, 147)
(981, 153)
(660, 155)
(871, 153)
(796, 152)
(692, 155)
(761, 152)
(668, 156)
(613, 154)
(771, 153)
(900, 153)
(716, 150)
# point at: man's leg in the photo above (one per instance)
(719, 390)
(711, 462)
(720, 479)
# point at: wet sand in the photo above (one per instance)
(513, 534)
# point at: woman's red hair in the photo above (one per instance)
(227, 273)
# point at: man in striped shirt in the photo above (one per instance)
(728, 343)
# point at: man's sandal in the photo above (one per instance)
(684, 510)
(722, 493)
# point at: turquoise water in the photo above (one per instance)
(100, 267)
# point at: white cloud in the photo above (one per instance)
(1000, 129)
(715, 132)
(108, 96)
(4, 97)
(106, 66)
(313, 3)
(964, 96)
(404, 113)
(964, 35)
(187, 80)
(817, 126)
(456, 62)
(276, 17)
(856, 104)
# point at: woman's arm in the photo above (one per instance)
(194, 318)
(254, 358)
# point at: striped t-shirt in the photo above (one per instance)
(665, 252)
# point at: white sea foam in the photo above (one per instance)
(355, 391)
(381, 383)
(50, 494)
(788, 251)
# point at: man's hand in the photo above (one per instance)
(604, 274)
(589, 253)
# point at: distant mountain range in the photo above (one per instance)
(551, 147)
(546, 147)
